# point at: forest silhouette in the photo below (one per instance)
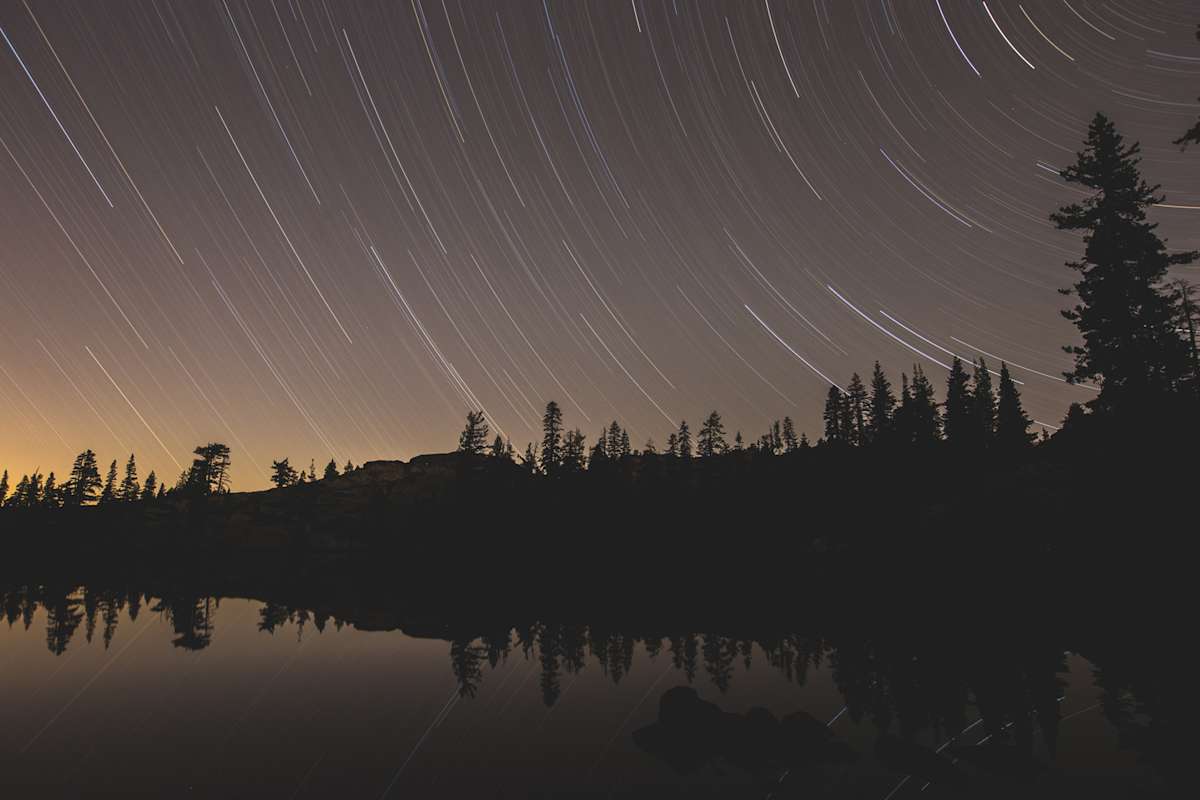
(896, 472)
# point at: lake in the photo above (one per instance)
(114, 692)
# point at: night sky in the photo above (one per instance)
(311, 228)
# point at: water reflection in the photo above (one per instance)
(947, 710)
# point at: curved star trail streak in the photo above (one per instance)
(331, 229)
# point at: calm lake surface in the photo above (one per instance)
(114, 693)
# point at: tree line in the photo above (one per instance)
(283, 474)
(207, 475)
(973, 417)
(1138, 345)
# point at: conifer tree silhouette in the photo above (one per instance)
(834, 424)
(109, 493)
(984, 404)
(551, 439)
(51, 495)
(283, 474)
(473, 438)
(790, 442)
(209, 473)
(598, 457)
(959, 419)
(20, 493)
(881, 407)
(130, 488)
(1012, 425)
(925, 421)
(855, 400)
(902, 417)
(1126, 317)
(711, 441)
(84, 480)
(151, 486)
(683, 440)
(612, 441)
(501, 448)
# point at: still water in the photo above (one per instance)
(119, 694)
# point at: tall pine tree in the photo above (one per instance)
(109, 493)
(834, 424)
(881, 407)
(683, 440)
(959, 417)
(84, 480)
(612, 441)
(150, 487)
(790, 442)
(552, 427)
(1123, 312)
(50, 493)
(209, 473)
(856, 413)
(33, 493)
(598, 457)
(711, 441)
(925, 422)
(984, 402)
(283, 474)
(1012, 425)
(501, 449)
(19, 493)
(473, 438)
(130, 488)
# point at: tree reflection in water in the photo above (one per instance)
(985, 698)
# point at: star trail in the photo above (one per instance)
(325, 229)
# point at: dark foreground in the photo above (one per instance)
(329, 676)
(826, 625)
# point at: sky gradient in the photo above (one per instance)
(311, 228)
